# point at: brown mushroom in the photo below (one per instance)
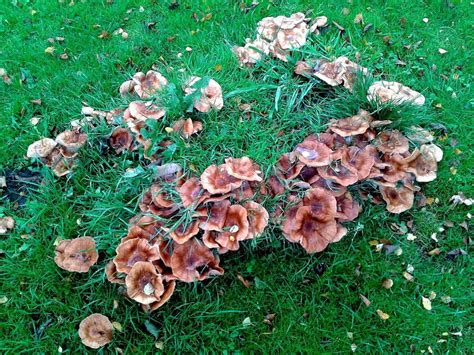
(187, 127)
(144, 283)
(150, 84)
(424, 166)
(235, 228)
(396, 93)
(184, 231)
(157, 201)
(216, 180)
(112, 274)
(6, 223)
(95, 331)
(288, 166)
(359, 160)
(215, 216)
(353, 125)
(347, 208)
(257, 217)
(243, 168)
(192, 192)
(392, 141)
(121, 139)
(210, 96)
(322, 205)
(169, 289)
(398, 198)
(252, 52)
(132, 251)
(340, 71)
(338, 173)
(192, 261)
(71, 142)
(141, 111)
(41, 148)
(317, 23)
(313, 153)
(76, 255)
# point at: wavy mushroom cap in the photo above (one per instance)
(128, 86)
(76, 255)
(396, 93)
(121, 139)
(288, 166)
(215, 216)
(132, 251)
(340, 71)
(192, 261)
(398, 199)
(288, 224)
(62, 166)
(391, 142)
(318, 22)
(149, 224)
(339, 174)
(209, 240)
(95, 331)
(187, 127)
(41, 148)
(210, 96)
(192, 192)
(142, 111)
(252, 52)
(243, 168)
(183, 232)
(359, 160)
(235, 229)
(433, 149)
(71, 141)
(313, 235)
(257, 217)
(351, 126)
(347, 208)
(313, 153)
(424, 167)
(275, 186)
(169, 290)
(150, 84)
(216, 180)
(157, 201)
(322, 205)
(144, 284)
(332, 187)
(293, 37)
(112, 274)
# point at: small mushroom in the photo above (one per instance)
(187, 127)
(396, 93)
(131, 251)
(288, 166)
(257, 217)
(398, 199)
(144, 85)
(41, 148)
(76, 255)
(183, 232)
(191, 192)
(340, 71)
(252, 52)
(121, 139)
(112, 274)
(71, 142)
(144, 283)
(360, 160)
(210, 97)
(392, 141)
(235, 228)
(338, 173)
(215, 216)
(317, 23)
(6, 223)
(96, 331)
(313, 153)
(141, 111)
(351, 126)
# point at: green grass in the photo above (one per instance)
(314, 310)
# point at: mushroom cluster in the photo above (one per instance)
(60, 153)
(276, 36)
(350, 152)
(183, 226)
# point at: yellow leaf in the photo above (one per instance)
(382, 315)
(117, 326)
(218, 67)
(426, 303)
(50, 50)
(373, 242)
(169, 129)
(408, 276)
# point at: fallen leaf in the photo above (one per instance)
(453, 254)
(115, 304)
(117, 326)
(442, 51)
(246, 322)
(104, 35)
(384, 316)
(64, 56)
(461, 199)
(365, 300)
(408, 276)
(245, 282)
(410, 268)
(50, 50)
(435, 251)
(446, 299)
(359, 18)
(34, 120)
(218, 67)
(387, 283)
(426, 303)
(426, 20)
(411, 237)
(159, 345)
(3, 299)
(353, 348)
(432, 295)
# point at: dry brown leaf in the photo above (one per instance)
(384, 316)
(245, 282)
(435, 251)
(365, 300)
(408, 276)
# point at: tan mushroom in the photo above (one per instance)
(338, 173)
(313, 153)
(392, 141)
(96, 331)
(252, 52)
(359, 160)
(351, 126)
(184, 231)
(215, 216)
(132, 251)
(399, 199)
(187, 127)
(235, 229)
(6, 223)
(340, 71)
(144, 283)
(76, 255)
(112, 274)
(322, 205)
(317, 23)
(257, 217)
(243, 168)
(210, 96)
(393, 92)
(70, 142)
(169, 289)
(191, 192)
(216, 180)
(144, 85)
(142, 111)
(121, 139)
(41, 148)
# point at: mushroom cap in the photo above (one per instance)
(192, 261)
(210, 96)
(323, 205)
(332, 187)
(391, 91)
(150, 84)
(215, 216)
(127, 87)
(351, 126)
(41, 148)
(187, 127)
(76, 255)
(157, 201)
(144, 284)
(252, 52)
(121, 139)
(235, 229)
(169, 290)
(347, 208)
(313, 235)
(216, 180)
(340, 71)
(359, 160)
(293, 37)
(275, 186)
(192, 192)
(142, 111)
(392, 141)
(209, 240)
(288, 166)
(424, 167)
(111, 273)
(303, 68)
(398, 199)
(339, 174)
(96, 330)
(134, 250)
(71, 141)
(313, 153)
(433, 149)
(243, 168)
(257, 217)
(183, 232)
(318, 22)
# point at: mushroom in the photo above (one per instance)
(392, 141)
(95, 331)
(71, 142)
(112, 274)
(340, 71)
(41, 148)
(338, 173)
(424, 166)
(396, 93)
(157, 201)
(351, 126)
(6, 223)
(399, 199)
(62, 166)
(184, 231)
(76, 255)
(318, 22)
(235, 228)
(433, 149)
(215, 216)
(313, 153)
(144, 85)
(210, 96)
(288, 166)
(252, 52)
(359, 160)
(322, 205)
(257, 217)
(243, 168)
(169, 289)
(121, 139)
(144, 283)
(192, 261)
(187, 127)
(192, 192)
(141, 111)
(303, 68)
(217, 180)
(347, 208)
(131, 251)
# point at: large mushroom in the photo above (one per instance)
(132, 251)
(144, 85)
(313, 153)
(351, 126)
(398, 198)
(70, 142)
(235, 228)
(340, 71)
(41, 148)
(96, 331)
(217, 180)
(396, 93)
(243, 168)
(187, 127)
(121, 139)
(144, 283)
(209, 97)
(76, 255)
(392, 141)
(323, 205)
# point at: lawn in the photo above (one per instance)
(316, 299)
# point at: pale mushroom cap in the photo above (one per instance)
(392, 91)
(71, 140)
(95, 331)
(144, 284)
(41, 148)
(145, 110)
(76, 255)
(433, 149)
